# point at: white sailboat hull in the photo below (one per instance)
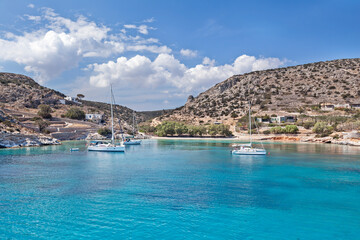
(249, 152)
(107, 148)
(133, 142)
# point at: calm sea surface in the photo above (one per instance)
(180, 189)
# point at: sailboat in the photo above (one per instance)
(131, 141)
(248, 149)
(101, 146)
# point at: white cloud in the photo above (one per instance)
(188, 53)
(62, 43)
(208, 61)
(149, 20)
(130, 26)
(143, 29)
(34, 18)
(31, 5)
(166, 72)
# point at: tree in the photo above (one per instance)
(212, 130)
(322, 129)
(44, 111)
(223, 130)
(42, 125)
(75, 113)
(80, 96)
(165, 128)
(180, 128)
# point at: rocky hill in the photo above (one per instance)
(22, 91)
(284, 89)
(24, 94)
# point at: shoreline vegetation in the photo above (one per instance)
(315, 131)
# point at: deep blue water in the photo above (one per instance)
(180, 189)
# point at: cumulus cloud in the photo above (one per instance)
(31, 5)
(167, 72)
(62, 43)
(188, 53)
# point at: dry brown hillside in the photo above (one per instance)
(283, 89)
(22, 93)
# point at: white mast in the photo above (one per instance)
(250, 120)
(134, 123)
(112, 117)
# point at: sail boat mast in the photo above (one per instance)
(112, 116)
(250, 120)
(134, 123)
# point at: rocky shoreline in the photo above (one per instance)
(11, 140)
(350, 139)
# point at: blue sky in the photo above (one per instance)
(156, 53)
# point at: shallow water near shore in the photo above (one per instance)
(180, 189)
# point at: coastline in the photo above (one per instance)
(274, 138)
(26, 140)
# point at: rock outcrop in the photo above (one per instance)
(10, 140)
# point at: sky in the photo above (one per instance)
(157, 53)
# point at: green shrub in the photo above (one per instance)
(266, 132)
(277, 130)
(75, 113)
(165, 128)
(180, 128)
(104, 131)
(147, 128)
(42, 125)
(291, 129)
(44, 111)
(308, 125)
(322, 129)
(234, 115)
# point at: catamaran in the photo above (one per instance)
(129, 141)
(102, 146)
(248, 149)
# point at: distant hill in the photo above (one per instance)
(283, 89)
(23, 93)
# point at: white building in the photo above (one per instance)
(356, 106)
(283, 119)
(94, 117)
(346, 105)
(327, 106)
(72, 99)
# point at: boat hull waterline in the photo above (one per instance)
(250, 152)
(107, 149)
(133, 142)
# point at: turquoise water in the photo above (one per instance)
(174, 189)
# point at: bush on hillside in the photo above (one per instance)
(291, 129)
(75, 113)
(104, 131)
(322, 129)
(44, 111)
(42, 125)
(276, 130)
